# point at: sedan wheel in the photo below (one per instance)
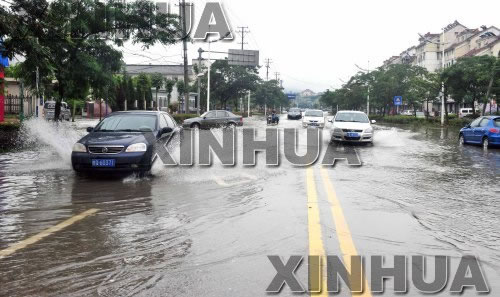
(486, 143)
(195, 126)
(461, 139)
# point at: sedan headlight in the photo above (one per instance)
(369, 130)
(79, 148)
(337, 130)
(137, 147)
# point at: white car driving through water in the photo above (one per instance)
(351, 126)
(313, 118)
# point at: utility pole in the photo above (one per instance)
(268, 65)
(37, 90)
(200, 51)
(277, 74)
(249, 95)
(184, 44)
(243, 31)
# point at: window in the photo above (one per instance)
(128, 123)
(170, 121)
(484, 122)
(222, 114)
(475, 123)
(163, 122)
(210, 114)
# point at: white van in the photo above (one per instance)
(465, 111)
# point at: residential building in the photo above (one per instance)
(174, 72)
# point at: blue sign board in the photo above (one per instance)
(4, 61)
(398, 100)
(291, 96)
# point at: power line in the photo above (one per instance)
(243, 31)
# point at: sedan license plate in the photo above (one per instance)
(352, 134)
(313, 124)
(106, 163)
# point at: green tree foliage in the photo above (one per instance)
(469, 79)
(72, 40)
(270, 94)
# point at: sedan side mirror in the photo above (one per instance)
(373, 121)
(90, 129)
(166, 130)
(330, 121)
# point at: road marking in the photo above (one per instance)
(35, 238)
(315, 238)
(342, 228)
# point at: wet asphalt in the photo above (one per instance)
(208, 231)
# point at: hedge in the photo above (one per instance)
(179, 118)
(398, 119)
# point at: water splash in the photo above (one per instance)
(57, 138)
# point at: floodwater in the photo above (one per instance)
(208, 231)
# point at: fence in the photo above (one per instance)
(13, 105)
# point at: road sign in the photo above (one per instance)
(243, 58)
(398, 100)
(291, 96)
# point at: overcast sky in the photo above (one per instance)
(314, 44)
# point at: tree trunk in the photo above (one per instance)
(488, 92)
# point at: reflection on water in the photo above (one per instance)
(451, 190)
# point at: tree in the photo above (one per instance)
(143, 83)
(169, 86)
(157, 83)
(70, 39)
(180, 91)
(469, 79)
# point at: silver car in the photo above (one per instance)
(49, 110)
(351, 126)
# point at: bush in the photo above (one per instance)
(179, 118)
(9, 126)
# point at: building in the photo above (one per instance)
(173, 72)
(459, 41)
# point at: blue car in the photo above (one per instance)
(124, 142)
(483, 130)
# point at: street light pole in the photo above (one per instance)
(208, 83)
(368, 96)
(443, 106)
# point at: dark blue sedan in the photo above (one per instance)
(484, 130)
(124, 142)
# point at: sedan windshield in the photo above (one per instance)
(127, 123)
(294, 110)
(314, 113)
(351, 117)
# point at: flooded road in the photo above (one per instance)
(208, 231)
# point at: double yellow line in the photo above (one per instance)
(316, 246)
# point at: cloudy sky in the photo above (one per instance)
(314, 44)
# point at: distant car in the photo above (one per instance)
(313, 118)
(483, 130)
(120, 142)
(351, 126)
(294, 114)
(408, 113)
(49, 109)
(465, 112)
(420, 115)
(214, 119)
